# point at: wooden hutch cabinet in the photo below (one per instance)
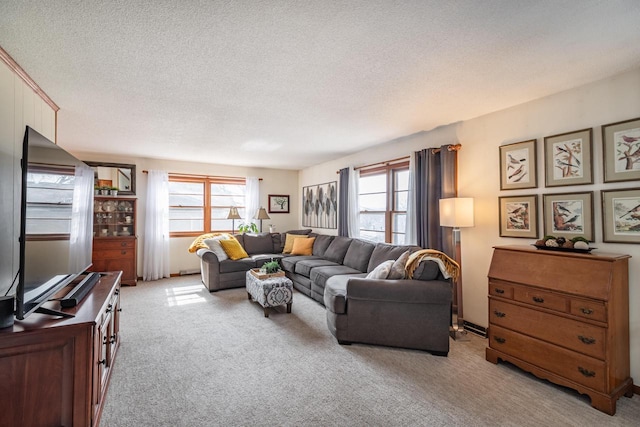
(55, 372)
(564, 317)
(114, 237)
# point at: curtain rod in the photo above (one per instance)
(450, 147)
(192, 175)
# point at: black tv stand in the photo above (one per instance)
(51, 312)
(76, 295)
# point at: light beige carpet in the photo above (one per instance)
(191, 358)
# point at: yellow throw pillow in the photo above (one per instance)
(198, 243)
(303, 246)
(233, 249)
(288, 243)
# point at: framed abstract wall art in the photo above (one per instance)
(621, 215)
(621, 150)
(569, 215)
(518, 165)
(519, 216)
(320, 205)
(568, 159)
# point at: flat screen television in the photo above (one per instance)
(55, 222)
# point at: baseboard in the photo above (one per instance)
(636, 389)
(475, 329)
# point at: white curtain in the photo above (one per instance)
(156, 227)
(81, 233)
(411, 232)
(354, 207)
(252, 198)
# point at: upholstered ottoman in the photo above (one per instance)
(270, 292)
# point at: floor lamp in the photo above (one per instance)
(457, 212)
(233, 215)
(261, 214)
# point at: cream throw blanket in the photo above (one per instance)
(448, 267)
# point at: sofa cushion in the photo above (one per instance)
(320, 275)
(233, 249)
(278, 243)
(303, 246)
(385, 252)
(427, 270)
(289, 262)
(304, 267)
(321, 244)
(382, 271)
(288, 243)
(338, 249)
(229, 266)
(258, 243)
(358, 255)
(260, 259)
(399, 267)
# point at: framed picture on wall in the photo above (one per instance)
(519, 216)
(320, 205)
(568, 159)
(569, 215)
(621, 150)
(518, 165)
(621, 215)
(278, 203)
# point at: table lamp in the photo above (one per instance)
(261, 214)
(233, 215)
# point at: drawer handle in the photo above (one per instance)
(499, 340)
(123, 244)
(102, 362)
(109, 308)
(538, 300)
(499, 291)
(585, 310)
(499, 313)
(113, 339)
(123, 252)
(586, 372)
(587, 340)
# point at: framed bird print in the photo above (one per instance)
(518, 166)
(568, 159)
(519, 216)
(621, 215)
(621, 150)
(568, 215)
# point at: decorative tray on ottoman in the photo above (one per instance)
(260, 275)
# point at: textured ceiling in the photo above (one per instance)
(289, 84)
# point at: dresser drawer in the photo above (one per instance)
(541, 298)
(501, 289)
(110, 254)
(572, 334)
(112, 244)
(577, 367)
(589, 309)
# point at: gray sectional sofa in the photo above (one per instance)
(410, 313)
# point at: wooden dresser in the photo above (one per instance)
(55, 372)
(564, 317)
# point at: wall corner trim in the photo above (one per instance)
(13, 65)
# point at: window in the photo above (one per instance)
(49, 203)
(383, 203)
(200, 205)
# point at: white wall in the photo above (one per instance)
(274, 181)
(610, 100)
(19, 107)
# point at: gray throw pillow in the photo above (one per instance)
(398, 269)
(381, 271)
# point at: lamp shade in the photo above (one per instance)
(262, 214)
(233, 213)
(456, 212)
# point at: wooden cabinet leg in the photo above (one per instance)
(266, 312)
(289, 307)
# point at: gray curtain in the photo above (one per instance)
(343, 203)
(435, 179)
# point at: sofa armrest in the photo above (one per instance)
(401, 291)
(208, 255)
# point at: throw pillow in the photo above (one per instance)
(303, 246)
(288, 243)
(198, 243)
(216, 248)
(381, 271)
(233, 249)
(398, 269)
